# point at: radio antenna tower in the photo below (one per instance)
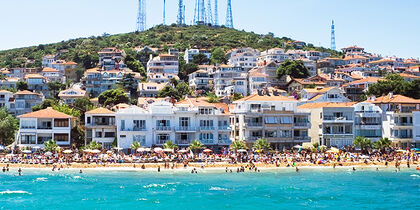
(209, 13)
(333, 36)
(141, 16)
(181, 13)
(229, 17)
(164, 12)
(199, 12)
(216, 13)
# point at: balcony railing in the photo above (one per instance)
(344, 118)
(206, 128)
(45, 127)
(224, 141)
(207, 141)
(185, 128)
(133, 129)
(301, 137)
(163, 128)
(301, 124)
(182, 141)
(403, 124)
(224, 128)
(253, 124)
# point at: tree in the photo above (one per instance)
(45, 104)
(64, 108)
(182, 89)
(167, 91)
(50, 145)
(392, 83)
(186, 69)
(261, 144)
(55, 87)
(21, 85)
(133, 64)
(94, 145)
(237, 96)
(135, 145)
(382, 144)
(196, 145)
(83, 104)
(218, 56)
(200, 59)
(212, 98)
(79, 71)
(113, 97)
(129, 84)
(170, 145)
(8, 127)
(363, 143)
(78, 136)
(295, 69)
(237, 145)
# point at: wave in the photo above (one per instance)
(415, 175)
(76, 177)
(160, 185)
(218, 189)
(41, 179)
(8, 192)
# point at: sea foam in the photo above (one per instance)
(218, 189)
(7, 192)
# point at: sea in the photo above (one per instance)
(285, 188)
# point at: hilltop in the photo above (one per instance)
(84, 50)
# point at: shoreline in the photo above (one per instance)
(207, 167)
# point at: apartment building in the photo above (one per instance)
(35, 128)
(416, 129)
(5, 99)
(332, 124)
(37, 82)
(70, 95)
(355, 89)
(53, 75)
(110, 58)
(201, 80)
(243, 57)
(23, 101)
(273, 55)
(367, 121)
(190, 53)
(162, 68)
(397, 118)
(228, 79)
(100, 127)
(270, 117)
(183, 122)
(150, 89)
(328, 94)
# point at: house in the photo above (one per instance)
(162, 68)
(200, 80)
(5, 99)
(150, 89)
(35, 128)
(409, 77)
(70, 95)
(9, 82)
(23, 101)
(190, 53)
(273, 55)
(229, 79)
(296, 85)
(243, 57)
(329, 94)
(354, 90)
(47, 60)
(332, 124)
(271, 117)
(100, 127)
(353, 50)
(53, 75)
(66, 68)
(257, 80)
(37, 82)
(367, 121)
(109, 58)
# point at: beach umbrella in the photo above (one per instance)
(118, 148)
(158, 150)
(67, 151)
(416, 149)
(109, 151)
(36, 147)
(48, 153)
(298, 147)
(27, 151)
(241, 150)
(95, 151)
(207, 150)
(1, 147)
(168, 150)
(400, 150)
(183, 151)
(87, 150)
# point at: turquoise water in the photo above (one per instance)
(279, 189)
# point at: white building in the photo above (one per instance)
(243, 57)
(5, 98)
(109, 58)
(43, 125)
(100, 127)
(70, 95)
(181, 123)
(274, 54)
(162, 68)
(270, 117)
(190, 53)
(228, 79)
(329, 94)
(367, 121)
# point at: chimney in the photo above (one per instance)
(391, 95)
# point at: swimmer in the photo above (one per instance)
(80, 172)
(297, 169)
(354, 169)
(158, 168)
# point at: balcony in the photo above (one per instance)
(254, 124)
(301, 138)
(206, 128)
(224, 141)
(338, 119)
(185, 129)
(182, 141)
(45, 127)
(207, 141)
(224, 128)
(301, 124)
(163, 128)
(403, 124)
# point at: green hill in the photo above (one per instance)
(84, 50)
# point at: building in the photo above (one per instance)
(100, 127)
(9, 82)
(183, 122)
(162, 68)
(53, 75)
(5, 99)
(150, 89)
(397, 118)
(70, 95)
(23, 101)
(228, 79)
(332, 124)
(257, 80)
(66, 68)
(329, 94)
(354, 90)
(37, 82)
(416, 129)
(243, 57)
(47, 60)
(109, 58)
(190, 53)
(270, 117)
(367, 121)
(200, 80)
(273, 55)
(43, 125)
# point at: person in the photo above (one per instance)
(158, 168)
(143, 167)
(377, 169)
(417, 168)
(20, 172)
(80, 172)
(354, 169)
(297, 169)
(4, 169)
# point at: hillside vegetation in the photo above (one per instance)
(84, 50)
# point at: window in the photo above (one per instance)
(285, 120)
(139, 124)
(270, 120)
(25, 124)
(206, 123)
(98, 134)
(256, 133)
(206, 137)
(270, 134)
(139, 138)
(27, 139)
(61, 137)
(162, 138)
(122, 125)
(109, 134)
(62, 123)
(184, 121)
(285, 134)
(163, 123)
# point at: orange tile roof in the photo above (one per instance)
(100, 110)
(314, 90)
(399, 99)
(409, 76)
(33, 76)
(47, 69)
(45, 113)
(325, 104)
(364, 80)
(305, 82)
(26, 92)
(256, 97)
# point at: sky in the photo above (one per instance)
(386, 27)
